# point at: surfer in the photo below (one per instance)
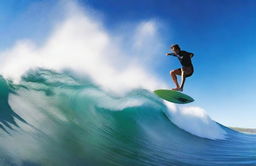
(187, 68)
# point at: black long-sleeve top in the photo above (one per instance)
(184, 58)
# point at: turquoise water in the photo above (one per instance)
(52, 118)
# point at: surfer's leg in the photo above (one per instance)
(173, 74)
(183, 79)
(185, 72)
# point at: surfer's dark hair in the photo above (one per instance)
(175, 46)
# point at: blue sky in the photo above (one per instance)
(221, 34)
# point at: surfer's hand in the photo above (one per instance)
(168, 54)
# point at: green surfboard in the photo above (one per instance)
(173, 96)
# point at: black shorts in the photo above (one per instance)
(191, 73)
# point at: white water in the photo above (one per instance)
(195, 121)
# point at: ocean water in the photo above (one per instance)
(51, 118)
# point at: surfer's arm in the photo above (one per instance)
(189, 54)
(172, 54)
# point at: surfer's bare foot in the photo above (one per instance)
(175, 88)
(178, 89)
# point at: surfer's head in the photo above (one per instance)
(175, 48)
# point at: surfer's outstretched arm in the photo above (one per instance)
(170, 54)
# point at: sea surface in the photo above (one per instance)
(55, 118)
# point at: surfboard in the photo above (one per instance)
(173, 96)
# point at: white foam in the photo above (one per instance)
(195, 121)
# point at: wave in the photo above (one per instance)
(49, 116)
(45, 84)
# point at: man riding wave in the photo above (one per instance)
(187, 67)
